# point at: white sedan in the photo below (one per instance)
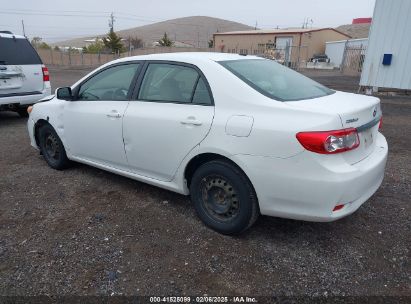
(241, 135)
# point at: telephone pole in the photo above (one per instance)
(111, 22)
(24, 31)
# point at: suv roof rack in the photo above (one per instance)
(6, 32)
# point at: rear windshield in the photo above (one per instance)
(17, 52)
(275, 80)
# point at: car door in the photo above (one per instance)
(172, 114)
(93, 121)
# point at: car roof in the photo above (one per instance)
(189, 57)
(5, 35)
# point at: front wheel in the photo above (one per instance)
(52, 148)
(224, 197)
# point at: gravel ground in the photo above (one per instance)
(84, 231)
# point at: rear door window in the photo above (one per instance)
(165, 82)
(201, 94)
(17, 52)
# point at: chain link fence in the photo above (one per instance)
(353, 59)
(294, 57)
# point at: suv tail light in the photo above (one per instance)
(380, 124)
(329, 142)
(46, 74)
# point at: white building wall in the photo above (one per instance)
(335, 49)
(390, 33)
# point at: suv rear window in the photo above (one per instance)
(275, 80)
(17, 51)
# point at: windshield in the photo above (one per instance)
(275, 80)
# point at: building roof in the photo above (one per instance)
(347, 40)
(281, 31)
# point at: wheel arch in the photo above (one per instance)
(39, 123)
(200, 159)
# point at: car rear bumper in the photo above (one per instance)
(24, 99)
(303, 188)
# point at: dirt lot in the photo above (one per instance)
(85, 231)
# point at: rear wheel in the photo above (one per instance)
(224, 197)
(52, 148)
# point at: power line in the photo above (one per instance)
(51, 14)
(95, 14)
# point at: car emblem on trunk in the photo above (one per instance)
(375, 112)
(351, 120)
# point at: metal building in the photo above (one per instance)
(388, 58)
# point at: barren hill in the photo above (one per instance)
(355, 30)
(196, 31)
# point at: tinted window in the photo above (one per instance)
(110, 84)
(17, 51)
(274, 80)
(168, 82)
(201, 94)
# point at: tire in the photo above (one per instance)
(22, 112)
(52, 148)
(224, 198)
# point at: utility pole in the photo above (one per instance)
(255, 25)
(305, 22)
(111, 22)
(24, 31)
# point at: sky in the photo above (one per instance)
(57, 20)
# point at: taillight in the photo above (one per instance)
(380, 124)
(46, 74)
(329, 142)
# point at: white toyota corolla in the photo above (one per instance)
(242, 135)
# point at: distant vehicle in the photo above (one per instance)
(24, 80)
(241, 134)
(320, 58)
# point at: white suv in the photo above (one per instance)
(24, 80)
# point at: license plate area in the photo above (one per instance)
(367, 138)
(10, 83)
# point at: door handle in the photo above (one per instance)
(113, 114)
(191, 121)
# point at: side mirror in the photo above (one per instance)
(64, 93)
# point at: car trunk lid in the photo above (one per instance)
(355, 111)
(21, 79)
